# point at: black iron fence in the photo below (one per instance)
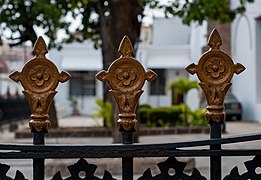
(126, 78)
(13, 108)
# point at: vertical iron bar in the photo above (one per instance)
(38, 164)
(127, 162)
(215, 161)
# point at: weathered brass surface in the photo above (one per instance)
(39, 78)
(126, 76)
(215, 70)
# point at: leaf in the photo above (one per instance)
(183, 85)
(104, 110)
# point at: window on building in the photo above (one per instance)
(157, 86)
(82, 83)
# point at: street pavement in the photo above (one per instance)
(201, 163)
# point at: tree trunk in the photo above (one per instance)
(123, 21)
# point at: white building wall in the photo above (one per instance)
(174, 46)
(6, 84)
(244, 51)
(197, 41)
(77, 57)
(170, 32)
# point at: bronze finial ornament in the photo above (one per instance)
(39, 78)
(126, 76)
(215, 70)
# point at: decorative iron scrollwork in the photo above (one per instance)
(5, 168)
(83, 170)
(39, 77)
(126, 76)
(172, 164)
(253, 170)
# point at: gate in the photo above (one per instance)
(126, 76)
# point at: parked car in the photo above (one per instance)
(233, 107)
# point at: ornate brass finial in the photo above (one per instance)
(39, 78)
(215, 71)
(126, 76)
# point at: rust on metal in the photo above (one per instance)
(39, 78)
(215, 70)
(126, 76)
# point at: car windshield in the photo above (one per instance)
(230, 97)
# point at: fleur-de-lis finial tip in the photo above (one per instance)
(40, 48)
(215, 31)
(40, 40)
(215, 40)
(125, 47)
(40, 37)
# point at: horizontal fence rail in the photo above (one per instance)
(131, 147)
(131, 150)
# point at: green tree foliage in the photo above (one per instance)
(101, 17)
(171, 116)
(104, 110)
(20, 17)
(182, 86)
(200, 10)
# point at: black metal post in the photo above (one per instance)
(127, 162)
(215, 161)
(38, 164)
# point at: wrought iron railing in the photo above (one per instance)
(126, 76)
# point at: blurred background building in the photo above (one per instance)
(166, 47)
(12, 59)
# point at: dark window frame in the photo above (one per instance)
(158, 86)
(82, 83)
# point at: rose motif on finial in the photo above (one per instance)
(39, 75)
(215, 68)
(126, 75)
